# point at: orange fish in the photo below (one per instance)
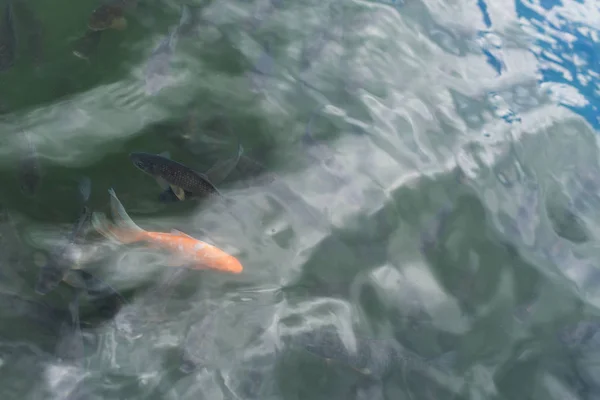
(188, 251)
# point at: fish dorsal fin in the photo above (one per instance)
(179, 233)
(165, 154)
(120, 216)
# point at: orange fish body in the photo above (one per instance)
(202, 254)
(188, 250)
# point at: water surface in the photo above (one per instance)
(420, 179)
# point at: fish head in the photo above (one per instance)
(144, 162)
(235, 266)
(87, 44)
(230, 265)
(187, 366)
(221, 262)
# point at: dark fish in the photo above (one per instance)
(87, 44)
(216, 174)
(8, 38)
(94, 287)
(199, 348)
(157, 74)
(183, 181)
(61, 260)
(29, 167)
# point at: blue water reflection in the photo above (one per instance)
(566, 47)
(489, 48)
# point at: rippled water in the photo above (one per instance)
(416, 208)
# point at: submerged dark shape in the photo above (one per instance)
(256, 171)
(317, 151)
(167, 196)
(29, 168)
(584, 333)
(183, 181)
(263, 68)
(95, 287)
(567, 224)
(108, 16)
(157, 74)
(61, 260)
(199, 348)
(222, 168)
(8, 38)
(87, 44)
(432, 233)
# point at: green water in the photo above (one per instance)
(418, 216)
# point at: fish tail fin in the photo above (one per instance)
(122, 219)
(105, 228)
(112, 232)
(223, 168)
